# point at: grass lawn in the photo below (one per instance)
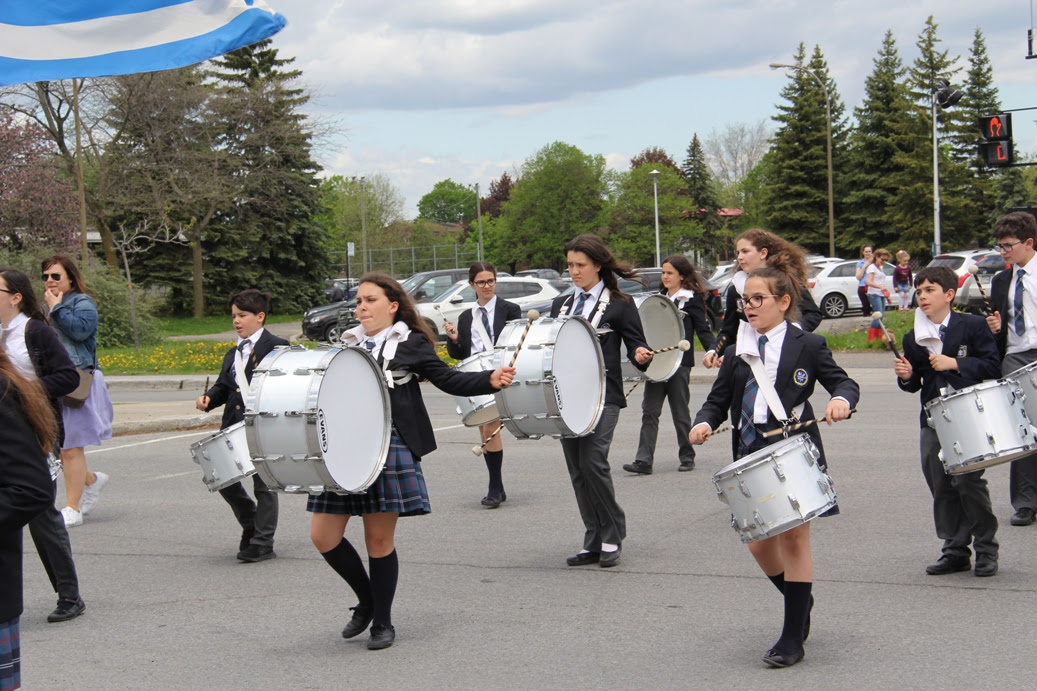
(856, 341)
(189, 326)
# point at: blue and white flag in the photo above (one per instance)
(60, 39)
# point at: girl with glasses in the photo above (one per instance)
(476, 331)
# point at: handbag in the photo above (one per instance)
(77, 398)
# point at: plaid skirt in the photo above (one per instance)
(400, 488)
(10, 656)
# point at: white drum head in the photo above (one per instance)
(664, 328)
(352, 419)
(578, 369)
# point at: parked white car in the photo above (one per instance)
(524, 291)
(833, 286)
(961, 263)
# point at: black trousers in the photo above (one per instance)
(1022, 476)
(259, 515)
(588, 461)
(676, 390)
(50, 536)
(961, 504)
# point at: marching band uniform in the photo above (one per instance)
(258, 519)
(587, 457)
(810, 315)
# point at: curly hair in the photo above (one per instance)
(781, 254)
(406, 312)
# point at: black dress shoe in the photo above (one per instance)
(358, 624)
(945, 565)
(776, 658)
(608, 559)
(66, 610)
(685, 467)
(986, 565)
(246, 539)
(583, 558)
(381, 637)
(254, 553)
(639, 467)
(1023, 517)
(491, 502)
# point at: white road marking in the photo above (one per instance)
(149, 441)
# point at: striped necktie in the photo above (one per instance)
(580, 302)
(486, 325)
(1017, 303)
(747, 428)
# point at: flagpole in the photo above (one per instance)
(79, 171)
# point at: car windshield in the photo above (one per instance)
(443, 293)
(950, 262)
(411, 282)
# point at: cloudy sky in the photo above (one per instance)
(426, 90)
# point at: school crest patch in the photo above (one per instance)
(800, 377)
(963, 351)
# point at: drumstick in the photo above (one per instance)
(974, 270)
(531, 316)
(636, 384)
(477, 450)
(877, 316)
(206, 389)
(798, 425)
(681, 345)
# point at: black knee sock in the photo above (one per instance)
(494, 462)
(348, 564)
(797, 609)
(779, 582)
(385, 571)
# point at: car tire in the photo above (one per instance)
(333, 334)
(833, 306)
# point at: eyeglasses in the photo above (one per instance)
(53, 277)
(487, 283)
(9, 292)
(754, 301)
(1006, 247)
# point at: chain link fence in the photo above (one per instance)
(401, 262)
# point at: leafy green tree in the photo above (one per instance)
(448, 202)
(655, 155)
(341, 207)
(797, 195)
(872, 154)
(561, 193)
(631, 233)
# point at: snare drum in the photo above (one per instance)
(775, 489)
(981, 426)
(664, 328)
(1026, 378)
(477, 410)
(318, 420)
(559, 384)
(224, 457)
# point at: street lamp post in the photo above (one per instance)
(828, 118)
(478, 217)
(655, 188)
(363, 226)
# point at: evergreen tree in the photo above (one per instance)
(703, 194)
(797, 196)
(872, 163)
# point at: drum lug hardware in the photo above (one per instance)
(267, 413)
(757, 520)
(825, 487)
(779, 472)
(979, 404)
(294, 413)
(957, 449)
(947, 414)
(723, 497)
(302, 371)
(743, 488)
(277, 372)
(794, 501)
(291, 489)
(990, 440)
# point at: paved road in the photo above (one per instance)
(485, 598)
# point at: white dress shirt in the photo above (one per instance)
(1028, 341)
(477, 345)
(588, 305)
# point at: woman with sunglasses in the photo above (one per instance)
(73, 315)
(476, 331)
(35, 351)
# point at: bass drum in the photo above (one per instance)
(559, 385)
(664, 328)
(318, 420)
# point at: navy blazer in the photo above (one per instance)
(622, 318)
(226, 392)
(693, 313)
(409, 416)
(809, 316)
(804, 356)
(969, 341)
(503, 313)
(26, 490)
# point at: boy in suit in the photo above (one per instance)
(258, 518)
(948, 349)
(1012, 292)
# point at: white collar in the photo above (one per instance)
(738, 281)
(16, 321)
(594, 292)
(390, 336)
(489, 306)
(927, 332)
(684, 293)
(748, 343)
(254, 338)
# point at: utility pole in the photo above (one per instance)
(478, 217)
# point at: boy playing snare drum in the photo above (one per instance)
(794, 361)
(950, 350)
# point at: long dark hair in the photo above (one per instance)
(30, 398)
(690, 278)
(18, 282)
(74, 277)
(406, 312)
(781, 254)
(478, 267)
(781, 283)
(611, 268)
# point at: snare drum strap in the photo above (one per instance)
(771, 395)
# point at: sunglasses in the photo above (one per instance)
(53, 277)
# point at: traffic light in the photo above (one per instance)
(996, 147)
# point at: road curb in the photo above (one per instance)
(166, 424)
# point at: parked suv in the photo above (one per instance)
(524, 291)
(968, 296)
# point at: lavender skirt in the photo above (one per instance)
(91, 423)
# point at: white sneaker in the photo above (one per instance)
(71, 516)
(91, 493)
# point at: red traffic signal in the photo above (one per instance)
(996, 149)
